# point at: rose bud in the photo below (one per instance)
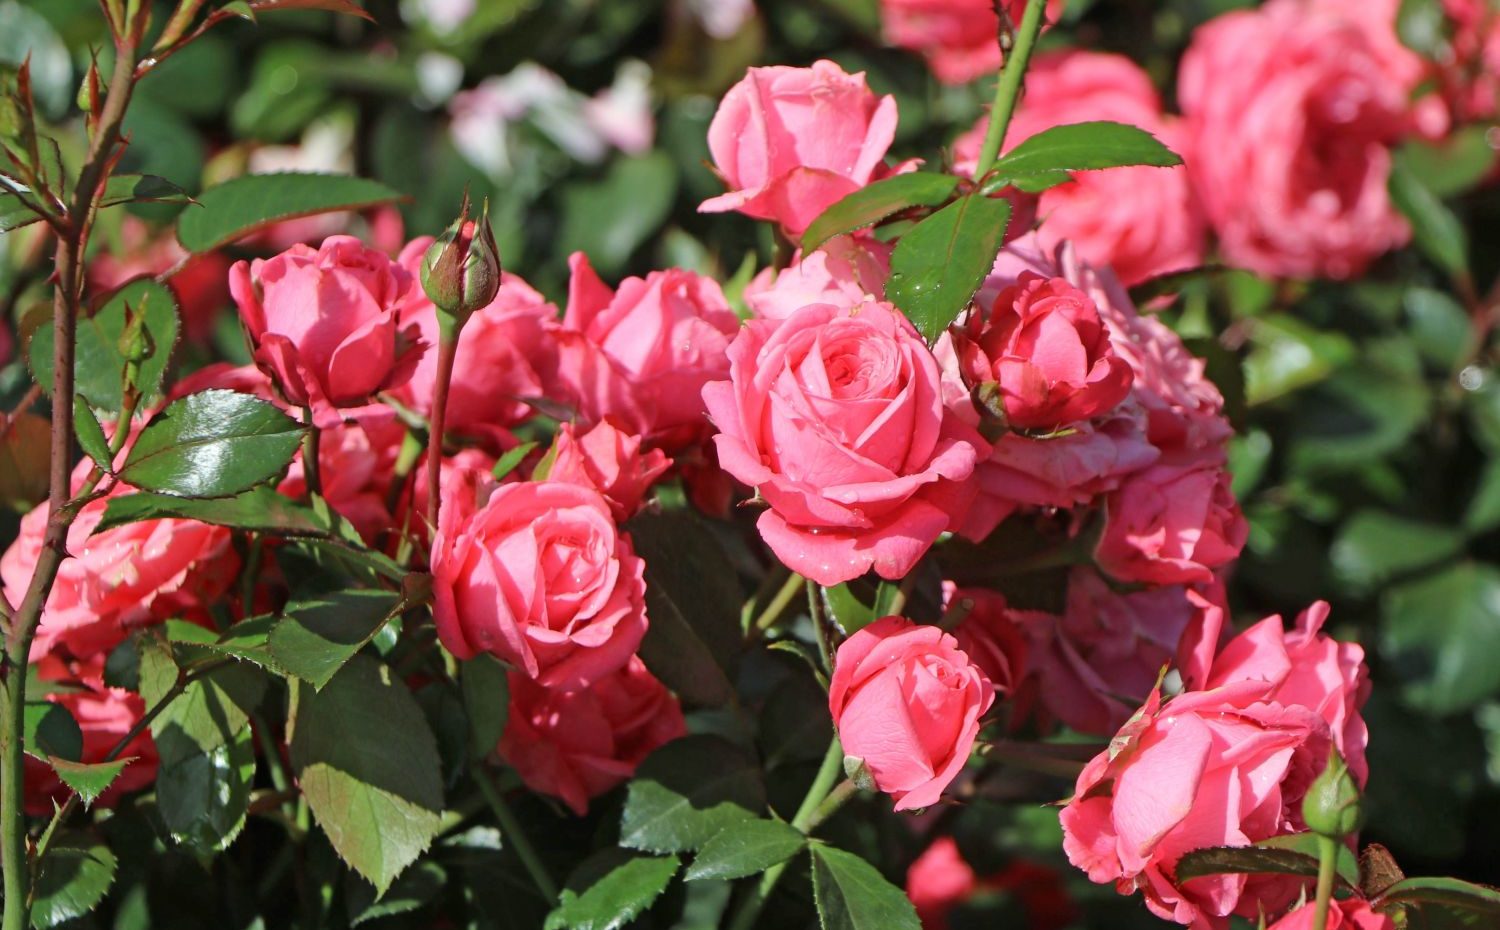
(907, 702)
(461, 269)
(1041, 357)
(1331, 806)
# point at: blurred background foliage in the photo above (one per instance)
(1369, 455)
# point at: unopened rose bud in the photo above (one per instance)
(461, 270)
(1331, 805)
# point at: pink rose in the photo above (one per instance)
(325, 324)
(123, 578)
(1046, 353)
(990, 635)
(576, 745)
(791, 142)
(608, 461)
(540, 577)
(845, 271)
(1345, 914)
(503, 352)
(1140, 221)
(836, 417)
(959, 38)
(939, 881)
(356, 463)
(907, 701)
(1292, 112)
(104, 716)
(1172, 523)
(654, 343)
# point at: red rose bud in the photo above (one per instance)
(461, 270)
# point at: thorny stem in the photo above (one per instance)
(447, 350)
(510, 829)
(1008, 88)
(67, 297)
(312, 473)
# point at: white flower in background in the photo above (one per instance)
(721, 18)
(444, 16)
(583, 127)
(327, 146)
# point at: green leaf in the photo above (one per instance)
(212, 444)
(1483, 511)
(1455, 164)
(486, 688)
(610, 889)
(610, 218)
(90, 434)
(1435, 230)
(1446, 892)
(1044, 160)
(316, 638)
(687, 791)
(88, 780)
(854, 610)
(416, 886)
(507, 463)
(99, 366)
(1441, 634)
(141, 188)
(18, 211)
(875, 202)
(852, 895)
(693, 600)
(203, 796)
(243, 205)
(1286, 355)
(1289, 855)
(1347, 865)
(1373, 546)
(261, 509)
(27, 35)
(938, 266)
(1440, 328)
(746, 848)
(368, 765)
(71, 880)
(1422, 26)
(347, 7)
(50, 732)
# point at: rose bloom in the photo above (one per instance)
(959, 38)
(844, 271)
(1292, 113)
(791, 142)
(503, 351)
(656, 341)
(907, 701)
(1043, 349)
(576, 745)
(540, 577)
(1141, 221)
(1172, 523)
(1224, 766)
(1345, 914)
(608, 461)
(104, 716)
(123, 578)
(836, 418)
(940, 881)
(325, 324)
(990, 635)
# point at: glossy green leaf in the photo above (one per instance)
(316, 638)
(90, 434)
(88, 780)
(693, 600)
(1373, 547)
(243, 205)
(687, 791)
(368, 765)
(611, 889)
(212, 444)
(746, 848)
(938, 266)
(72, 879)
(50, 732)
(878, 201)
(203, 796)
(1044, 160)
(1434, 229)
(853, 606)
(259, 509)
(99, 366)
(1441, 634)
(852, 895)
(486, 688)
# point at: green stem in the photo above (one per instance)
(804, 820)
(510, 828)
(1008, 88)
(1328, 858)
(779, 603)
(311, 466)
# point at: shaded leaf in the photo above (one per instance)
(852, 895)
(1434, 229)
(203, 796)
(610, 218)
(1441, 633)
(212, 444)
(1445, 892)
(50, 732)
(1290, 855)
(261, 509)
(243, 205)
(416, 886)
(938, 266)
(746, 848)
(486, 688)
(90, 434)
(610, 889)
(877, 201)
(687, 791)
(141, 188)
(315, 638)
(1373, 547)
(71, 880)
